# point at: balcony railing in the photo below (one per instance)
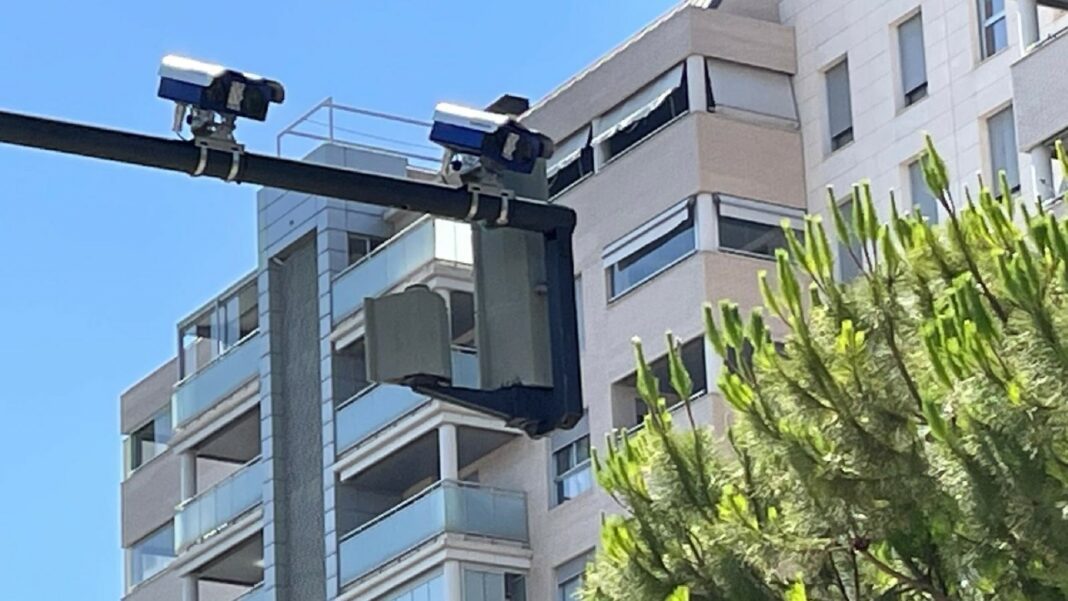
(428, 239)
(212, 510)
(375, 407)
(216, 380)
(445, 507)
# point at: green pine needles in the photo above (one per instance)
(909, 440)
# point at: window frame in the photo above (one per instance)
(910, 96)
(1010, 111)
(720, 74)
(702, 384)
(561, 586)
(603, 137)
(130, 584)
(858, 246)
(570, 571)
(574, 467)
(582, 161)
(128, 442)
(638, 242)
(916, 162)
(840, 139)
(746, 210)
(987, 23)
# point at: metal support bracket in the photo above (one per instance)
(206, 143)
(506, 196)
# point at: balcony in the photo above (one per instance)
(448, 507)
(426, 241)
(1040, 101)
(213, 510)
(375, 407)
(220, 378)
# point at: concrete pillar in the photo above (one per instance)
(1028, 10)
(707, 222)
(190, 588)
(187, 475)
(453, 580)
(695, 82)
(448, 453)
(598, 149)
(1042, 170)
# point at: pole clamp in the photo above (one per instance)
(206, 144)
(477, 190)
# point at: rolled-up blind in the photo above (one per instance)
(752, 89)
(913, 57)
(921, 194)
(759, 212)
(639, 105)
(1001, 129)
(839, 105)
(657, 228)
(569, 149)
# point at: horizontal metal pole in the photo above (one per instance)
(286, 174)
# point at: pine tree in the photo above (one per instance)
(908, 441)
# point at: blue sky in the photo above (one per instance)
(100, 260)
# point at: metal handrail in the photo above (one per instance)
(331, 107)
(219, 357)
(227, 292)
(440, 484)
(239, 471)
(381, 248)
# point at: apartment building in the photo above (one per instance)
(260, 464)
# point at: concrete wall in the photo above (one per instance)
(147, 397)
(688, 31)
(962, 90)
(149, 496)
(165, 586)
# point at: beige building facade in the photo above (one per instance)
(261, 465)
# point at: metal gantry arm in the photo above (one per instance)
(537, 410)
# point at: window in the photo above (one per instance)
(227, 322)
(569, 577)
(913, 59)
(569, 589)
(349, 371)
(151, 555)
(462, 318)
(839, 105)
(643, 254)
(731, 363)
(574, 163)
(629, 409)
(921, 194)
(430, 589)
(572, 470)
(360, 246)
(754, 227)
(148, 441)
(751, 89)
(847, 267)
(993, 27)
(493, 586)
(652, 107)
(1001, 133)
